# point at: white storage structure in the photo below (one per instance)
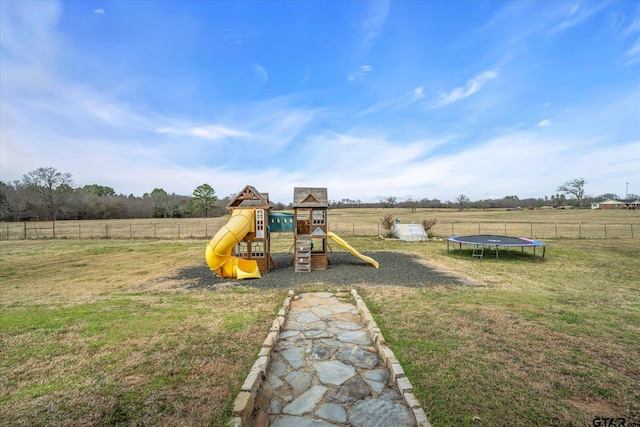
(410, 232)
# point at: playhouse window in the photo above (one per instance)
(260, 223)
(318, 217)
(318, 245)
(303, 214)
(257, 249)
(240, 250)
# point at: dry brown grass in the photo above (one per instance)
(576, 223)
(93, 333)
(97, 332)
(551, 343)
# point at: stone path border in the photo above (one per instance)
(243, 406)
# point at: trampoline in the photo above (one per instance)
(481, 241)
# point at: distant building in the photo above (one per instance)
(616, 204)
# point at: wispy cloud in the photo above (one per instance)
(575, 14)
(374, 20)
(414, 96)
(361, 73)
(473, 85)
(262, 75)
(210, 132)
(545, 122)
(402, 101)
(98, 11)
(634, 52)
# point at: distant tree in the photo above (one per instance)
(558, 199)
(163, 204)
(388, 202)
(99, 190)
(203, 201)
(462, 201)
(49, 190)
(575, 188)
(608, 196)
(4, 205)
(412, 204)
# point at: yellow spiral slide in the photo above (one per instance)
(218, 252)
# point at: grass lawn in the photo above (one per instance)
(101, 332)
(551, 343)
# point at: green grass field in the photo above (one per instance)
(103, 332)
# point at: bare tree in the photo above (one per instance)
(49, 190)
(462, 201)
(388, 202)
(575, 188)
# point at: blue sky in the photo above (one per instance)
(415, 99)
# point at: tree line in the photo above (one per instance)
(48, 194)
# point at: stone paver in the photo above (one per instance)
(326, 371)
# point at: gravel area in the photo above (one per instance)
(397, 269)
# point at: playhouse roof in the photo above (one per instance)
(249, 197)
(310, 197)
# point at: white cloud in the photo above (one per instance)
(98, 11)
(262, 74)
(377, 12)
(545, 122)
(634, 52)
(361, 73)
(210, 132)
(473, 85)
(398, 103)
(577, 14)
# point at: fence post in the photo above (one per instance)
(353, 228)
(452, 233)
(532, 230)
(605, 230)
(579, 230)
(178, 231)
(154, 230)
(25, 230)
(79, 232)
(556, 224)
(631, 230)
(53, 226)
(206, 231)
(106, 231)
(505, 228)
(130, 232)
(479, 228)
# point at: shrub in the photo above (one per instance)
(427, 224)
(387, 222)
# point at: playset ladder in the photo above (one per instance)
(303, 254)
(478, 251)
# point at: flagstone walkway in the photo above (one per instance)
(331, 367)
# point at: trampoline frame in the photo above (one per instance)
(494, 241)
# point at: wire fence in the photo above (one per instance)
(206, 228)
